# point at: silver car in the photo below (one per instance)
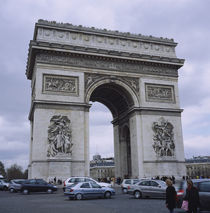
(148, 188)
(79, 191)
(15, 185)
(4, 184)
(127, 183)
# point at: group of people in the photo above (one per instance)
(191, 197)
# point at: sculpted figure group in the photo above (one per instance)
(163, 138)
(59, 136)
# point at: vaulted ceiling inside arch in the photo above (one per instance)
(115, 97)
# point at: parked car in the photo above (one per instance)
(203, 186)
(127, 183)
(82, 190)
(4, 185)
(148, 188)
(15, 185)
(72, 180)
(37, 185)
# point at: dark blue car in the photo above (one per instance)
(37, 185)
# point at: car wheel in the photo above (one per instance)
(12, 190)
(78, 196)
(137, 194)
(25, 191)
(5, 188)
(107, 195)
(49, 191)
(125, 190)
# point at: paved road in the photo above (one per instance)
(58, 203)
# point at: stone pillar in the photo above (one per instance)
(117, 156)
(136, 146)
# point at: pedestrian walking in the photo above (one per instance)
(192, 196)
(170, 196)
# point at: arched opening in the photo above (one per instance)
(114, 97)
(100, 131)
(119, 101)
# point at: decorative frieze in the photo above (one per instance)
(59, 136)
(121, 66)
(56, 84)
(163, 138)
(159, 93)
(78, 38)
(91, 79)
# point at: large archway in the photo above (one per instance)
(135, 76)
(118, 100)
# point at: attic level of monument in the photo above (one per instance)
(93, 30)
(64, 41)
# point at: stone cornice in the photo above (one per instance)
(98, 54)
(93, 30)
(56, 104)
(164, 161)
(57, 160)
(148, 111)
(84, 37)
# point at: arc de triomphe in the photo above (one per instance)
(135, 76)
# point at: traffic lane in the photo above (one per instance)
(57, 202)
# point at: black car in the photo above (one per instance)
(37, 185)
(203, 186)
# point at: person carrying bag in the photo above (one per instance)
(191, 198)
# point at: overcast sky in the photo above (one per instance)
(187, 21)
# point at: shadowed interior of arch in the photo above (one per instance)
(115, 97)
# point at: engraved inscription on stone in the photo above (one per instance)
(60, 84)
(102, 64)
(159, 93)
(59, 136)
(163, 138)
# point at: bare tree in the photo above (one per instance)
(2, 169)
(15, 172)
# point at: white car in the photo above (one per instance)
(72, 180)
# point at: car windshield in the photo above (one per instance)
(95, 185)
(40, 181)
(73, 185)
(18, 181)
(162, 183)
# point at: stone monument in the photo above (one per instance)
(135, 76)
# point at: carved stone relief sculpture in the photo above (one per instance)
(93, 78)
(163, 138)
(159, 93)
(59, 136)
(60, 84)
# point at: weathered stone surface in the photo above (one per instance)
(135, 76)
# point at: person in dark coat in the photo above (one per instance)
(192, 196)
(170, 196)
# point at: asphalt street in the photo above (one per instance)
(58, 203)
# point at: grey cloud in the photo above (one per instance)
(186, 21)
